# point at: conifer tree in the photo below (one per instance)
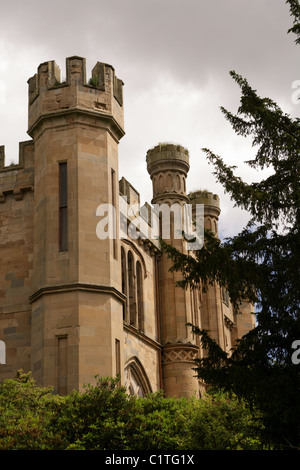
(260, 264)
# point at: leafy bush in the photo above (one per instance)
(105, 417)
(26, 415)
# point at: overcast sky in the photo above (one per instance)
(174, 57)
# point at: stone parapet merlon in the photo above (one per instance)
(211, 203)
(209, 199)
(168, 166)
(167, 157)
(101, 95)
(16, 179)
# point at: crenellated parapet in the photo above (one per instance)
(207, 198)
(100, 96)
(167, 156)
(16, 179)
(212, 209)
(168, 166)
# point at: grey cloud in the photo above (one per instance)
(164, 51)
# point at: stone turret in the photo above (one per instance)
(212, 209)
(168, 166)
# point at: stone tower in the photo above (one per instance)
(212, 317)
(80, 294)
(77, 294)
(168, 166)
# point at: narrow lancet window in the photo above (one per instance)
(62, 365)
(124, 282)
(139, 285)
(118, 359)
(113, 196)
(63, 207)
(131, 288)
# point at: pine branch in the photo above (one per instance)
(295, 12)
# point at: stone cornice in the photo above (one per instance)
(80, 116)
(131, 329)
(78, 287)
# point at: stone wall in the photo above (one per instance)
(16, 260)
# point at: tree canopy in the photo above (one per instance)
(260, 264)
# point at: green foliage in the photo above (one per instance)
(105, 417)
(93, 81)
(162, 423)
(224, 423)
(96, 419)
(26, 415)
(295, 12)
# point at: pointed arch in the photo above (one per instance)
(169, 183)
(137, 252)
(215, 227)
(208, 224)
(177, 183)
(160, 182)
(136, 379)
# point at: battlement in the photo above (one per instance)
(18, 178)
(207, 198)
(48, 77)
(129, 192)
(165, 157)
(102, 94)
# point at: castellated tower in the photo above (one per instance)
(168, 166)
(78, 302)
(76, 281)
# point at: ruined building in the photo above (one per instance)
(73, 304)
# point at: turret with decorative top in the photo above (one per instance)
(168, 166)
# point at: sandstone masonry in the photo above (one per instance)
(73, 305)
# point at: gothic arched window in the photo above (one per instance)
(131, 291)
(124, 282)
(139, 292)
